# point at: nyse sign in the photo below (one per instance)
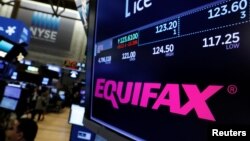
(43, 34)
(45, 26)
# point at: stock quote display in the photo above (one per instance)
(172, 69)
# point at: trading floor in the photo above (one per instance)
(54, 127)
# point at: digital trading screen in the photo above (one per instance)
(5, 47)
(171, 69)
(8, 103)
(13, 92)
(45, 81)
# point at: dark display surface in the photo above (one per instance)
(171, 69)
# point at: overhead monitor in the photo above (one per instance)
(45, 81)
(167, 69)
(14, 75)
(5, 48)
(32, 69)
(14, 30)
(54, 68)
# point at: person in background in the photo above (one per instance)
(40, 107)
(76, 98)
(21, 130)
(33, 98)
(45, 95)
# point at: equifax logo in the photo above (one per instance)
(139, 94)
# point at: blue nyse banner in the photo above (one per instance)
(14, 30)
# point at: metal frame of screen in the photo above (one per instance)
(146, 28)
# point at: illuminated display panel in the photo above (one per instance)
(8, 103)
(13, 92)
(5, 47)
(32, 69)
(76, 115)
(170, 69)
(54, 68)
(45, 81)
